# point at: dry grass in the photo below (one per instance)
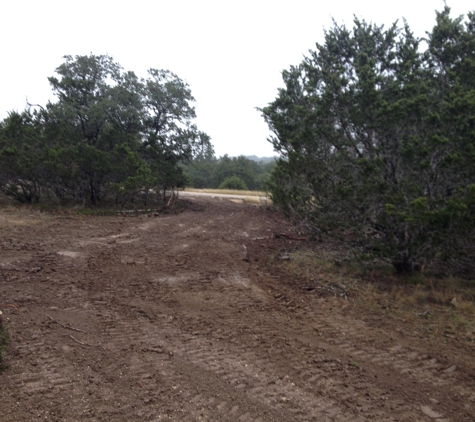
(25, 215)
(442, 308)
(248, 200)
(246, 193)
(257, 200)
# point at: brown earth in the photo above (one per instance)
(183, 318)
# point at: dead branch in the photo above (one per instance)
(169, 200)
(64, 326)
(80, 342)
(334, 288)
(77, 341)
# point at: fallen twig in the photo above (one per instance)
(77, 341)
(82, 343)
(64, 326)
(9, 305)
(288, 236)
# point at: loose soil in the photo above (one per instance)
(183, 318)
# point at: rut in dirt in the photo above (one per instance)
(152, 319)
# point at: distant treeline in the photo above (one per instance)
(244, 173)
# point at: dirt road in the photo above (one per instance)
(177, 317)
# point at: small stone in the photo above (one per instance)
(450, 370)
(245, 253)
(429, 412)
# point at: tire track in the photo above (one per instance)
(179, 328)
(305, 392)
(423, 368)
(161, 370)
(318, 379)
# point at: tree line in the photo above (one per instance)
(109, 136)
(376, 135)
(241, 173)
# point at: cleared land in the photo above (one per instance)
(227, 192)
(237, 196)
(191, 317)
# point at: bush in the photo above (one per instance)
(233, 182)
(110, 134)
(377, 139)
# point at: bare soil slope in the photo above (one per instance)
(160, 318)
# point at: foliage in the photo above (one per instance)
(233, 182)
(21, 153)
(211, 172)
(376, 139)
(109, 135)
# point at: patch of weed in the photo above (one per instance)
(4, 342)
(435, 306)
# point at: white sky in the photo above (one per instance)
(231, 53)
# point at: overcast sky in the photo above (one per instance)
(231, 53)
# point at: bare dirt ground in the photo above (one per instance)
(160, 318)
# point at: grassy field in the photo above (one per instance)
(229, 192)
(247, 196)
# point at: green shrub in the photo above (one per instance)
(376, 142)
(233, 182)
